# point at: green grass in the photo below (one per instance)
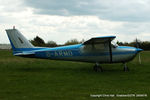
(39, 79)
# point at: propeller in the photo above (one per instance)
(137, 46)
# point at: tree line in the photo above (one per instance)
(38, 41)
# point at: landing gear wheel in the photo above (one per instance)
(97, 68)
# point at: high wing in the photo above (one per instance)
(97, 40)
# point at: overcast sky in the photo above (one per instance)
(62, 20)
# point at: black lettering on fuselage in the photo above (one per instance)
(63, 53)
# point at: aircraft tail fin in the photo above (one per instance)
(17, 40)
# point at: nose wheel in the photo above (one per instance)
(126, 69)
(97, 68)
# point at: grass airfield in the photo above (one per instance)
(39, 79)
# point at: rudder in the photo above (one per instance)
(17, 40)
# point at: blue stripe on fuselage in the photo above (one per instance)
(43, 49)
(125, 47)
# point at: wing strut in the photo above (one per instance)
(110, 50)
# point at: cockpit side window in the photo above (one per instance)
(99, 46)
(90, 47)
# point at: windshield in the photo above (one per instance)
(113, 43)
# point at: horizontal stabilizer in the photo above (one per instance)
(24, 54)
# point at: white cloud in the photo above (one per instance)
(117, 10)
(81, 23)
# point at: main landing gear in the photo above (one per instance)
(126, 69)
(97, 68)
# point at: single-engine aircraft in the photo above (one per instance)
(96, 50)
